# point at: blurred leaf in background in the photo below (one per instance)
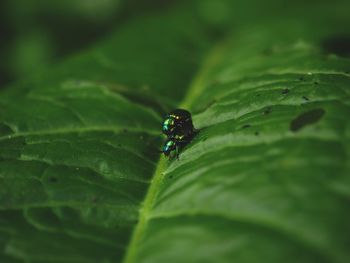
(37, 33)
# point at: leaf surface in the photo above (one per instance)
(266, 178)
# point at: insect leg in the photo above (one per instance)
(177, 151)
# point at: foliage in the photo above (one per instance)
(266, 179)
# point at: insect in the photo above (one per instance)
(178, 123)
(169, 146)
(179, 129)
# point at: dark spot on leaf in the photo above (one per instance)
(267, 51)
(24, 143)
(246, 126)
(125, 130)
(316, 82)
(302, 78)
(256, 133)
(53, 179)
(258, 95)
(119, 145)
(5, 130)
(171, 177)
(267, 111)
(339, 45)
(285, 91)
(306, 98)
(306, 118)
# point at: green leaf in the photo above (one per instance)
(266, 179)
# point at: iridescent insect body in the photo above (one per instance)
(179, 129)
(169, 146)
(177, 122)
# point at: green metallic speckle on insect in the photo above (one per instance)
(169, 146)
(168, 124)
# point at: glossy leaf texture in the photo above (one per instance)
(266, 179)
(79, 144)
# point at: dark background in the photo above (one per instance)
(35, 34)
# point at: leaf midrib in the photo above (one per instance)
(195, 89)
